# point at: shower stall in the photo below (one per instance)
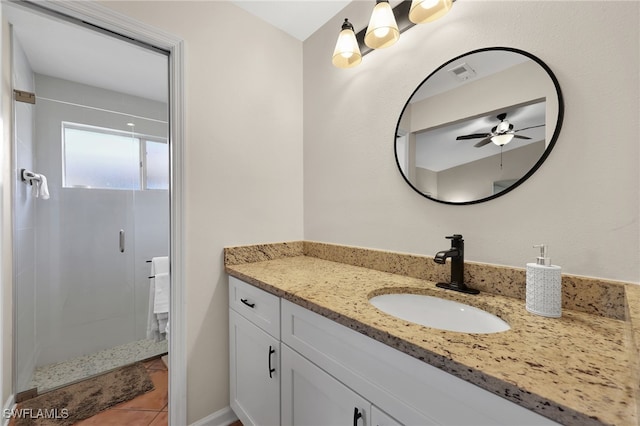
(98, 145)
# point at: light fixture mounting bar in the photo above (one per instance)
(401, 13)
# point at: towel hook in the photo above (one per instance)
(28, 176)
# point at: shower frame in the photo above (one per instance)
(101, 18)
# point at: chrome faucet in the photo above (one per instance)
(456, 254)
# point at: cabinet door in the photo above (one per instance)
(311, 397)
(380, 418)
(254, 373)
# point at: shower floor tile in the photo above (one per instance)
(52, 376)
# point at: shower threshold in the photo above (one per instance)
(53, 376)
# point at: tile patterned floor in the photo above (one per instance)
(52, 376)
(149, 409)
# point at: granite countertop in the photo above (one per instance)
(579, 369)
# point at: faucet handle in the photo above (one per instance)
(456, 241)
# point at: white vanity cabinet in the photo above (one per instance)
(330, 374)
(254, 354)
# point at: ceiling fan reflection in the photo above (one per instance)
(500, 135)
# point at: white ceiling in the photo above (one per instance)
(299, 18)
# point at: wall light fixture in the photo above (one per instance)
(347, 53)
(384, 29)
(428, 10)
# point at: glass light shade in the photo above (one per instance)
(503, 139)
(422, 11)
(347, 53)
(382, 30)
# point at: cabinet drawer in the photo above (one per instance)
(258, 306)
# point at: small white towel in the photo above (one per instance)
(159, 265)
(161, 299)
(157, 322)
(40, 189)
(44, 188)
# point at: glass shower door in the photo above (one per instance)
(82, 277)
(85, 242)
(106, 224)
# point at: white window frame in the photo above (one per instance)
(141, 138)
(143, 160)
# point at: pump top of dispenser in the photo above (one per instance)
(544, 258)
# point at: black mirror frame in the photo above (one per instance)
(535, 167)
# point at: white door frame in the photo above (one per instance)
(111, 20)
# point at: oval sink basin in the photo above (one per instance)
(439, 313)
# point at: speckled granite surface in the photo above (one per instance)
(580, 369)
(633, 316)
(261, 252)
(595, 296)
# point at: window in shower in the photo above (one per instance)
(156, 172)
(95, 157)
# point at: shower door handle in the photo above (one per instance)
(122, 241)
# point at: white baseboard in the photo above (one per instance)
(8, 406)
(222, 417)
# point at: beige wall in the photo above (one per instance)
(474, 180)
(243, 163)
(583, 201)
(426, 181)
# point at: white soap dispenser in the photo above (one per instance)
(544, 286)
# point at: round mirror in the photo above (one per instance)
(479, 126)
